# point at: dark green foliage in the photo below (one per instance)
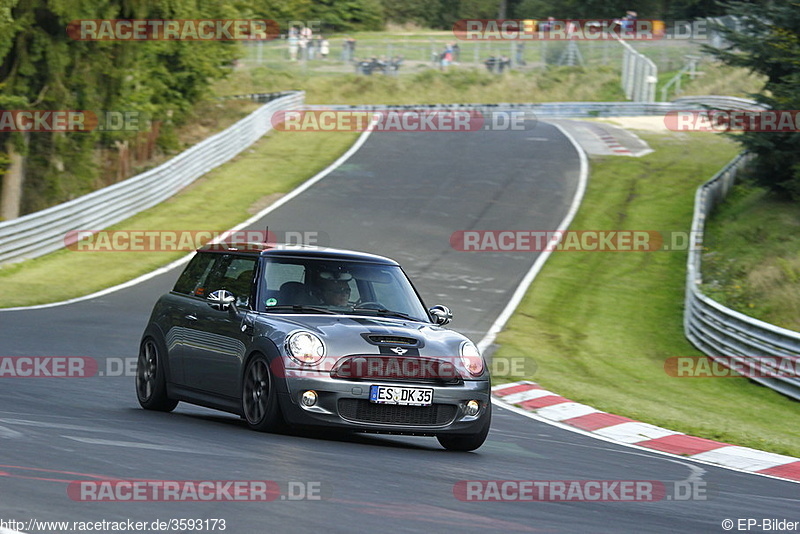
(441, 14)
(348, 15)
(768, 42)
(45, 69)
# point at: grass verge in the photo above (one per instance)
(751, 262)
(599, 326)
(223, 198)
(431, 86)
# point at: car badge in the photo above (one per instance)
(399, 350)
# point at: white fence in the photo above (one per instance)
(639, 75)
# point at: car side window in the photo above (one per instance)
(192, 280)
(235, 274)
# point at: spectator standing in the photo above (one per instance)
(324, 48)
(447, 57)
(520, 52)
(293, 40)
(305, 41)
(351, 48)
(628, 22)
(503, 63)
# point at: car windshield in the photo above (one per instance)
(300, 285)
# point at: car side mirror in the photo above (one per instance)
(221, 299)
(441, 314)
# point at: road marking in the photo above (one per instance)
(7, 433)
(519, 293)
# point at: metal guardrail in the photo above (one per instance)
(719, 332)
(44, 231)
(547, 109)
(719, 102)
(723, 334)
(576, 109)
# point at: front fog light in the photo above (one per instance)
(309, 398)
(472, 407)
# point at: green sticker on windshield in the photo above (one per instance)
(271, 302)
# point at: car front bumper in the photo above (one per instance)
(345, 404)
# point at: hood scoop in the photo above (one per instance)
(392, 340)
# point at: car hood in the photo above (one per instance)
(358, 334)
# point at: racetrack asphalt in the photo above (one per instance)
(401, 195)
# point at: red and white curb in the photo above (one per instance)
(553, 407)
(611, 142)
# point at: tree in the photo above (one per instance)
(43, 68)
(768, 42)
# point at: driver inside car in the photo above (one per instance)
(334, 287)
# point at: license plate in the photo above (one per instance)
(401, 395)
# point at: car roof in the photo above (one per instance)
(295, 251)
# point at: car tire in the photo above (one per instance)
(467, 442)
(260, 407)
(151, 382)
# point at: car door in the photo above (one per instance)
(186, 300)
(214, 363)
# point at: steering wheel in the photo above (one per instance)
(371, 305)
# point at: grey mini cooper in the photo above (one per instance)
(312, 337)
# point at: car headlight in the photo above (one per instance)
(471, 358)
(305, 347)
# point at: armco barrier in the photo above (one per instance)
(547, 109)
(727, 335)
(42, 232)
(576, 109)
(716, 330)
(718, 102)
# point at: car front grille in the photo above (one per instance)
(364, 411)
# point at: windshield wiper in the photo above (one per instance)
(301, 308)
(388, 313)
